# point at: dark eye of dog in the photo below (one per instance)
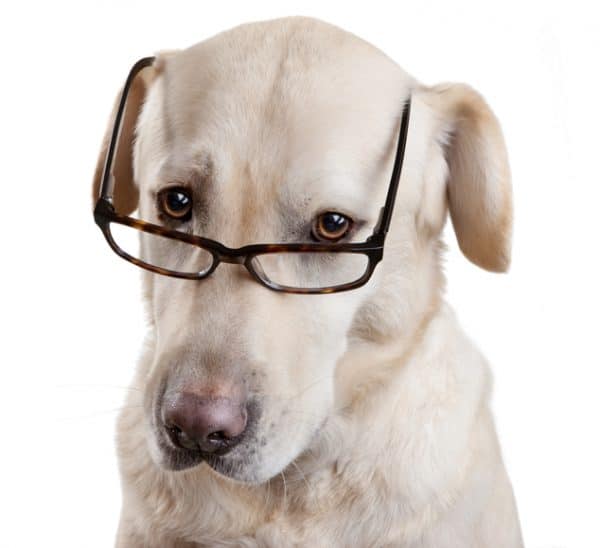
(176, 203)
(331, 226)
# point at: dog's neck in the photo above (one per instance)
(369, 362)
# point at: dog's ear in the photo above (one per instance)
(478, 184)
(126, 194)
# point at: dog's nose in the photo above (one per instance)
(205, 424)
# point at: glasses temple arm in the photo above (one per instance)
(104, 186)
(385, 215)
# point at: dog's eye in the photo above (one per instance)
(176, 203)
(331, 226)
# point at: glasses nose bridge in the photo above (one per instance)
(232, 257)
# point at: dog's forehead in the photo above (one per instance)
(296, 103)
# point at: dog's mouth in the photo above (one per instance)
(178, 459)
(237, 465)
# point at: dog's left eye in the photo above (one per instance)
(331, 226)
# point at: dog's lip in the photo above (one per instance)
(178, 459)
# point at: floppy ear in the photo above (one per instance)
(126, 194)
(478, 184)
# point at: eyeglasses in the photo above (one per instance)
(305, 268)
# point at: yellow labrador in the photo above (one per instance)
(269, 418)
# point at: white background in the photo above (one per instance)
(71, 314)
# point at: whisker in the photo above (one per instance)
(99, 413)
(268, 494)
(282, 474)
(100, 386)
(303, 477)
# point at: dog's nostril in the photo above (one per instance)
(217, 436)
(175, 430)
(180, 438)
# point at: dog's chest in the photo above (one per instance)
(326, 508)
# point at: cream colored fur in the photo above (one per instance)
(375, 428)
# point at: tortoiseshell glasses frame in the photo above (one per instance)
(372, 248)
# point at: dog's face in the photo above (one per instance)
(255, 134)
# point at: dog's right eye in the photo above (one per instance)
(176, 203)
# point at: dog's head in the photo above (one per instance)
(249, 138)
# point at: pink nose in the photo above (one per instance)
(205, 424)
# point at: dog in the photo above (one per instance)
(262, 418)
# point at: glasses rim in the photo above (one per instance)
(372, 247)
(105, 215)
